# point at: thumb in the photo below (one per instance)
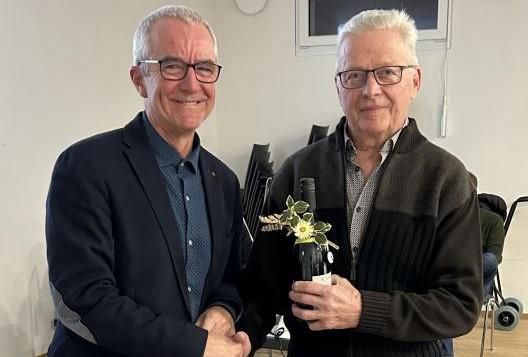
(242, 338)
(335, 279)
(199, 321)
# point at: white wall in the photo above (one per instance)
(65, 76)
(267, 94)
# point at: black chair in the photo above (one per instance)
(506, 314)
(259, 153)
(258, 172)
(317, 133)
(256, 205)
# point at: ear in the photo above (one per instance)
(137, 77)
(417, 81)
(336, 81)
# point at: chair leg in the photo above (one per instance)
(484, 330)
(492, 323)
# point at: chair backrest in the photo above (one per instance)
(259, 153)
(317, 133)
(493, 203)
(512, 211)
(259, 170)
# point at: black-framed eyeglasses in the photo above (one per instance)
(176, 70)
(386, 75)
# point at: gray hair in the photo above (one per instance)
(142, 40)
(372, 20)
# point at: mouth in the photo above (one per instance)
(372, 108)
(189, 103)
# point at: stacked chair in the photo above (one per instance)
(278, 338)
(258, 178)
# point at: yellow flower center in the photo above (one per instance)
(303, 230)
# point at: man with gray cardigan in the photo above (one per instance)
(403, 211)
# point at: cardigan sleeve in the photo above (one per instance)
(450, 305)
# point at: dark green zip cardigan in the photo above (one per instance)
(419, 267)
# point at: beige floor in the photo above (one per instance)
(505, 343)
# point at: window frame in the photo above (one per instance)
(307, 45)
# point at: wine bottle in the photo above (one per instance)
(313, 263)
(313, 259)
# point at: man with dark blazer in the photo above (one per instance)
(142, 223)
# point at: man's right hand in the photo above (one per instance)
(222, 346)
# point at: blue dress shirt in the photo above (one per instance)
(186, 194)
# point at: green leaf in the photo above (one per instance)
(308, 217)
(300, 207)
(285, 216)
(289, 201)
(294, 221)
(319, 227)
(327, 227)
(320, 238)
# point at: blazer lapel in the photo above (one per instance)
(144, 164)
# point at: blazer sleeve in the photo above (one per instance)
(80, 248)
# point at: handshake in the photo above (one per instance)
(222, 340)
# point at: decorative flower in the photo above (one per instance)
(305, 229)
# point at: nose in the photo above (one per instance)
(189, 82)
(371, 87)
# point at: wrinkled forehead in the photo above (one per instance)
(372, 49)
(176, 37)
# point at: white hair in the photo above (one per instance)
(387, 20)
(142, 39)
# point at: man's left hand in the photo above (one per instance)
(218, 321)
(337, 306)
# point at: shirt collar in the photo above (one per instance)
(165, 154)
(386, 148)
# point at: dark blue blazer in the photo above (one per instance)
(116, 268)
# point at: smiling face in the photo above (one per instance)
(176, 108)
(375, 112)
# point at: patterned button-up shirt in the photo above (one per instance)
(361, 192)
(187, 198)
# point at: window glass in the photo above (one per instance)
(325, 16)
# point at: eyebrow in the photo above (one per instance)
(378, 67)
(201, 61)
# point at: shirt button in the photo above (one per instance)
(357, 168)
(190, 242)
(189, 289)
(182, 164)
(187, 198)
(358, 209)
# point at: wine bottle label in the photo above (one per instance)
(325, 279)
(330, 257)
